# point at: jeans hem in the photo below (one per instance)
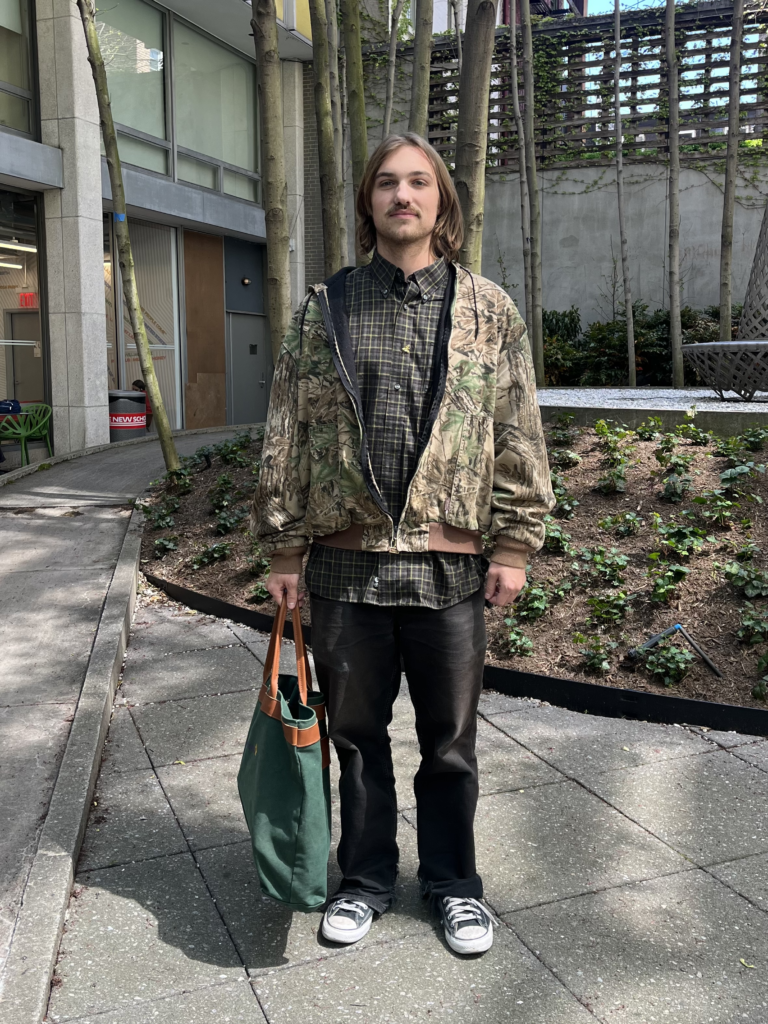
(378, 904)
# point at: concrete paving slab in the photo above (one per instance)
(142, 931)
(729, 740)
(109, 477)
(756, 754)
(130, 820)
(492, 703)
(669, 949)
(748, 876)
(188, 730)
(584, 745)
(502, 764)
(32, 739)
(269, 935)
(191, 674)
(81, 539)
(410, 980)
(123, 750)
(258, 642)
(205, 799)
(161, 631)
(47, 623)
(711, 808)
(552, 842)
(228, 1002)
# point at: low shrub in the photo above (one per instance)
(608, 609)
(532, 603)
(165, 544)
(668, 663)
(555, 537)
(665, 579)
(213, 553)
(563, 458)
(623, 524)
(518, 643)
(716, 507)
(754, 625)
(595, 651)
(754, 582)
(603, 567)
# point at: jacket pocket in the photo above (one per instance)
(468, 506)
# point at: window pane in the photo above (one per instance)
(196, 172)
(14, 43)
(143, 154)
(239, 185)
(153, 251)
(14, 112)
(215, 96)
(131, 35)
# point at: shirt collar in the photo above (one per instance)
(428, 279)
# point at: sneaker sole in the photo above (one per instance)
(346, 936)
(469, 946)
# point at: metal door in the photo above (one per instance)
(26, 363)
(250, 367)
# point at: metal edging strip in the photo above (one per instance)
(571, 694)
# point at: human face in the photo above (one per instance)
(405, 200)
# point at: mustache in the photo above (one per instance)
(403, 209)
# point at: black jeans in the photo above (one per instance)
(357, 650)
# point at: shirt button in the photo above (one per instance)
(397, 387)
(424, 298)
(385, 292)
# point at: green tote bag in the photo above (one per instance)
(284, 779)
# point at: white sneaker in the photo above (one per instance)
(346, 920)
(467, 924)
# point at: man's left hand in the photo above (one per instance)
(503, 583)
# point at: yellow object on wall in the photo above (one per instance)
(303, 24)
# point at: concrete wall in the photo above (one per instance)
(74, 254)
(580, 236)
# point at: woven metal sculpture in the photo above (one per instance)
(754, 316)
(740, 366)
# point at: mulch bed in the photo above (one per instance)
(705, 602)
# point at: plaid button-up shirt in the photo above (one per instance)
(393, 325)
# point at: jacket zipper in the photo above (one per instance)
(350, 391)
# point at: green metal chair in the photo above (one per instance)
(31, 424)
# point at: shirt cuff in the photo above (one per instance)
(288, 560)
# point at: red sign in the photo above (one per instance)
(127, 420)
(28, 300)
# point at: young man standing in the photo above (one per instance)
(403, 426)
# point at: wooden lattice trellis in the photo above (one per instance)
(739, 366)
(754, 315)
(574, 88)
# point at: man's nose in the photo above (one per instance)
(403, 194)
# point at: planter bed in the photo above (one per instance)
(705, 602)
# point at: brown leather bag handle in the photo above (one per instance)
(272, 664)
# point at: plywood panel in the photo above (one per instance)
(205, 390)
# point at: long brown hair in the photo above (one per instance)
(449, 227)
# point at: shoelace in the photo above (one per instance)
(355, 907)
(461, 911)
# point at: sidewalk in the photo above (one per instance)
(61, 534)
(627, 864)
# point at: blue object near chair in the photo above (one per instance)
(33, 423)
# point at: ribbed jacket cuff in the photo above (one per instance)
(510, 552)
(288, 560)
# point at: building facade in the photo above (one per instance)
(185, 99)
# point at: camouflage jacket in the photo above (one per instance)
(483, 465)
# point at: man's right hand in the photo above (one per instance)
(279, 583)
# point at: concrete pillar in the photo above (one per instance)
(293, 134)
(73, 257)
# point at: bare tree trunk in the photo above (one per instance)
(122, 237)
(358, 125)
(274, 183)
(457, 23)
(731, 170)
(337, 116)
(329, 184)
(472, 128)
(422, 61)
(525, 206)
(398, 10)
(632, 376)
(537, 329)
(675, 329)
